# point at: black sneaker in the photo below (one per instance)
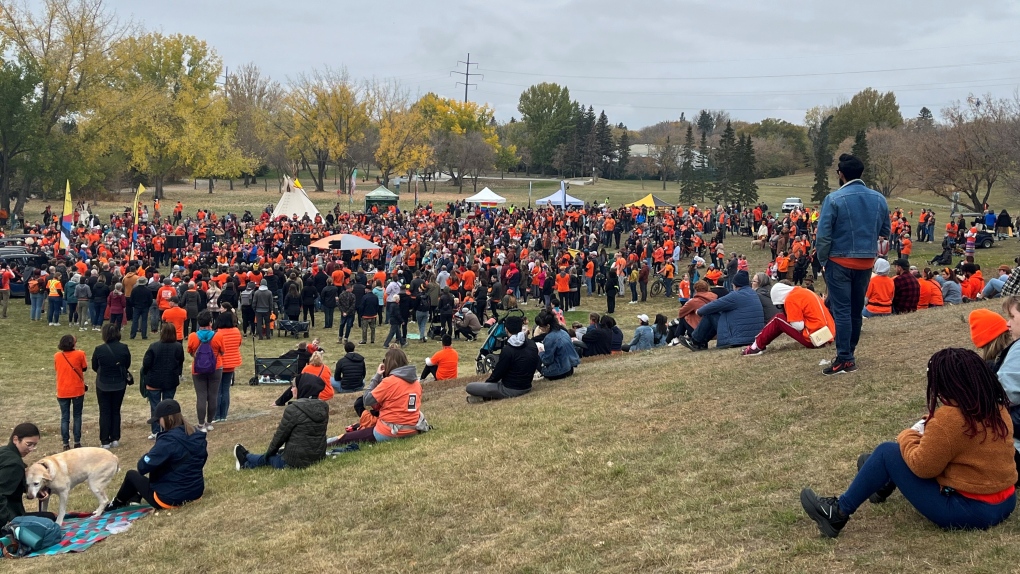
(240, 456)
(840, 367)
(692, 344)
(824, 511)
(884, 492)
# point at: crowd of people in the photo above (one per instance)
(203, 283)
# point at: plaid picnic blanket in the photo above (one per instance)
(82, 531)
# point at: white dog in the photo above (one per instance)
(59, 473)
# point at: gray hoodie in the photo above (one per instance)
(409, 373)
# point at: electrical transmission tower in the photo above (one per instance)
(467, 73)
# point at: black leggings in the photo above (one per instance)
(309, 310)
(134, 489)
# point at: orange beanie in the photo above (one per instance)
(985, 326)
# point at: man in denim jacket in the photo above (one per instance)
(852, 219)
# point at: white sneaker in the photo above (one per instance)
(106, 446)
(208, 427)
(56, 324)
(115, 444)
(152, 436)
(201, 428)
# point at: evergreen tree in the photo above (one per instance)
(860, 150)
(706, 122)
(822, 159)
(605, 145)
(623, 154)
(925, 119)
(747, 187)
(704, 175)
(688, 176)
(726, 166)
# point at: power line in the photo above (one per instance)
(467, 75)
(767, 76)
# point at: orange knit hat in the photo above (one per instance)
(985, 326)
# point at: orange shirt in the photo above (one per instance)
(446, 359)
(231, 348)
(163, 297)
(562, 283)
(176, 316)
(217, 347)
(935, 299)
(398, 404)
(906, 246)
(782, 264)
(325, 374)
(70, 367)
(589, 269)
(468, 277)
(804, 305)
(880, 294)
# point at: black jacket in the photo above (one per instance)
(111, 363)
(309, 294)
(12, 483)
(598, 341)
(328, 296)
(350, 371)
(445, 304)
(303, 430)
(229, 296)
(162, 365)
(291, 304)
(141, 299)
(100, 292)
(393, 314)
(516, 366)
(175, 465)
(369, 305)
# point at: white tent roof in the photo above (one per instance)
(294, 201)
(557, 200)
(486, 196)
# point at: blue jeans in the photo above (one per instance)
(587, 283)
(341, 391)
(140, 322)
(98, 313)
(56, 306)
(422, 318)
(37, 306)
(346, 323)
(668, 284)
(154, 398)
(993, 288)
(706, 329)
(846, 303)
(224, 405)
(66, 406)
(381, 437)
(952, 510)
(257, 460)
(869, 314)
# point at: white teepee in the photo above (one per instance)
(294, 201)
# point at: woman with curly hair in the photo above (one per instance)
(955, 466)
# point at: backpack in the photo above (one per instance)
(205, 359)
(31, 534)
(34, 287)
(246, 298)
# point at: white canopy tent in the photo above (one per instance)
(559, 199)
(486, 196)
(294, 201)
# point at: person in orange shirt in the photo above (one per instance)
(207, 382)
(906, 246)
(880, 291)
(176, 316)
(443, 364)
(70, 365)
(396, 393)
(802, 313)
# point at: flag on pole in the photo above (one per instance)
(416, 192)
(134, 211)
(297, 183)
(354, 181)
(66, 219)
(529, 195)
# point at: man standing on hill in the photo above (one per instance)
(851, 221)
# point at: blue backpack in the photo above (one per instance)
(205, 359)
(31, 534)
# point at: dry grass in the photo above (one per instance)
(666, 461)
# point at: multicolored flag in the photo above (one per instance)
(134, 212)
(354, 180)
(66, 219)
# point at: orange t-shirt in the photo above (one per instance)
(446, 359)
(935, 299)
(562, 283)
(804, 305)
(325, 374)
(70, 367)
(176, 316)
(398, 404)
(880, 294)
(924, 293)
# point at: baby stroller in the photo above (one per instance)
(946, 259)
(488, 355)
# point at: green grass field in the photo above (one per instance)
(665, 461)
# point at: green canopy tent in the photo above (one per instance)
(380, 197)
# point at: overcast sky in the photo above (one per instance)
(642, 61)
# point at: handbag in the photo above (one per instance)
(823, 335)
(81, 375)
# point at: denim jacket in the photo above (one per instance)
(559, 355)
(851, 220)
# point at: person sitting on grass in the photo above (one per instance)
(733, 319)
(558, 354)
(955, 466)
(1007, 364)
(395, 392)
(515, 369)
(991, 335)
(316, 367)
(302, 430)
(595, 340)
(443, 364)
(175, 464)
(644, 336)
(802, 313)
(351, 370)
(24, 440)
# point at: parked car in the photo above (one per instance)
(18, 261)
(792, 203)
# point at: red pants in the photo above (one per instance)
(776, 327)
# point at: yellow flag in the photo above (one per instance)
(66, 219)
(297, 183)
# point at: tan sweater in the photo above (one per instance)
(982, 464)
